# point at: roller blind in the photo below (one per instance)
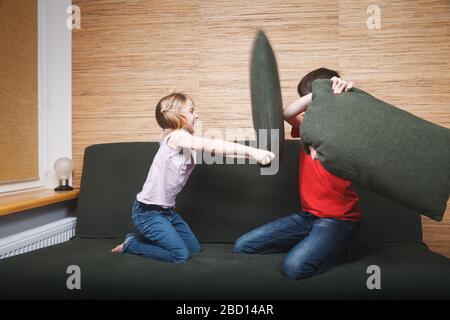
(19, 150)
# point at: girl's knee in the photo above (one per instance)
(196, 248)
(241, 245)
(180, 255)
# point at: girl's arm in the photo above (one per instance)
(182, 139)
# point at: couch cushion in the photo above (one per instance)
(385, 221)
(220, 202)
(112, 176)
(381, 147)
(407, 270)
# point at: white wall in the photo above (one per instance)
(58, 87)
(55, 92)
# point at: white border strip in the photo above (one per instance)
(38, 238)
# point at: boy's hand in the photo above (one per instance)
(263, 157)
(313, 152)
(340, 85)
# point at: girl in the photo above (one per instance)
(163, 234)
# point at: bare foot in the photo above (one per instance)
(118, 249)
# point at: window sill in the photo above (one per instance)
(23, 200)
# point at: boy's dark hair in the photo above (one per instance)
(305, 85)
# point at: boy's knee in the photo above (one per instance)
(297, 269)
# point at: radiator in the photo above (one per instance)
(38, 238)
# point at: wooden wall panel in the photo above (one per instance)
(406, 63)
(128, 54)
(19, 152)
(227, 30)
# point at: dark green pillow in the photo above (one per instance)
(380, 147)
(267, 106)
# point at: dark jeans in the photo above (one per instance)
(312, 244)
(163, 235)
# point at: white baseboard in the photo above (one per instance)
(38, 238)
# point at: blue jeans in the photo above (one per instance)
(312, 244)
(163, 235)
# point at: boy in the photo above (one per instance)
(329, 218)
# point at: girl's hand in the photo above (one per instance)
(263, 157)
(340, 85)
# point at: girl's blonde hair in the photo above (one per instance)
(168, 112)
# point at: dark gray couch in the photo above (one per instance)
(220, 202)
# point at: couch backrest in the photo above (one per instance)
(220, 202)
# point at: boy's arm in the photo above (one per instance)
(294, 113)
(295, 122)
(291, 112)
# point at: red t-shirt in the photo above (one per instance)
(322, 193)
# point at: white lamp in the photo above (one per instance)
(63, 168)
